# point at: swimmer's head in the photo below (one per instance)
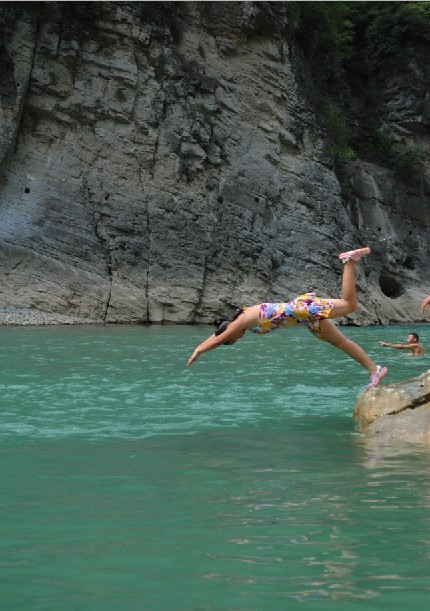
(413, 338)
(221, 325)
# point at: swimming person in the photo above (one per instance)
(412, 345)
(316, 313)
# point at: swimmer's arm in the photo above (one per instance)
(398, 346)
(213, 341)
(425, 304)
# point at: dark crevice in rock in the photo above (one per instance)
(201, 292)
(418, 402)
(13, 99)
(390, 286)
(148, 229)
(111, 265)
(104, 244)
(409, 262)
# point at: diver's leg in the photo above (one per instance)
(348, 303)
(331, 334)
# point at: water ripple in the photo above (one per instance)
(132, 381)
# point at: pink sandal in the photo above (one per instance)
(355, 255)
(377, 377)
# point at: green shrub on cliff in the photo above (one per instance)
(389, 26)
(324, 31)
(332, 33)
(383, 148)
(345, 43)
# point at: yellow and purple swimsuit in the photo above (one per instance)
(307, 309)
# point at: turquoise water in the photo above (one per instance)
(131, 482)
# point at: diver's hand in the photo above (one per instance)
(193, 357)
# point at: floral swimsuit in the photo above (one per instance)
(307, 309)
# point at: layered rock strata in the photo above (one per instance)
(167, 168)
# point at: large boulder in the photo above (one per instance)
(396, 411)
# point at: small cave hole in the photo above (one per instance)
(409, 262)
(390, 286)
(27, 190)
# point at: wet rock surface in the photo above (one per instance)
(396, 411)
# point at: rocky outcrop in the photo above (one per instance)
(166, 166)
(396, 411)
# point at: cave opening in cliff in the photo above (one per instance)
(390, 286)
(409, 262)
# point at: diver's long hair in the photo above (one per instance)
(222, 323)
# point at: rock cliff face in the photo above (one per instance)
(165, 167)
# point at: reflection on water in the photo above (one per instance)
(131, 482)
(390, 454)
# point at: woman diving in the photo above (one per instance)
(314, 312)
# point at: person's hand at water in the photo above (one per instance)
(233, 331)
(193, 357)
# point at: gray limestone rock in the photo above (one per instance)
(160, 162)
